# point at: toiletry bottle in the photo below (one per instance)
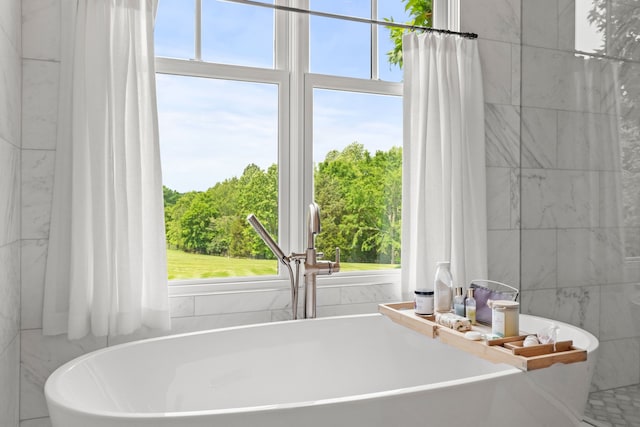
(442, 287)
(458, 302)
(470, 306)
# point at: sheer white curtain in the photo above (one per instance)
(444, 214)
(106, 266)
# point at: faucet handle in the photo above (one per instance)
(336, 265)
(319, 255)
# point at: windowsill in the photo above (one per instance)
(273, 283)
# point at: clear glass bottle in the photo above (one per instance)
(458, 302)
(470, 307)
(442, 286)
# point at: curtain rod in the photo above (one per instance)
(352, 18)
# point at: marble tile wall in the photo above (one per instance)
(10, 82)
(497, 22)
(526, 126)
(573, 261)
(39, 355)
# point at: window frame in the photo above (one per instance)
(295, 123)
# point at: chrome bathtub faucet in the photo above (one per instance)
(312, 267)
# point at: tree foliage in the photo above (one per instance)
(421, 14)
(359, 195)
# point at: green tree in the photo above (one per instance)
(224, 196)
(170, 196)
(421, 13)
(258, 194)
(196, 224)
(360, 198)
(174, 215)
(359, 194)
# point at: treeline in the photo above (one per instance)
(359, 194)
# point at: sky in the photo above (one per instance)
(210, 130)
(588, 37)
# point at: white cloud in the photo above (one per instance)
(210, 130)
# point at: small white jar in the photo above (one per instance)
(423, 302)
(504, 318)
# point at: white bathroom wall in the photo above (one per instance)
(498, 22)
(10, 78)
(553, 232)
(574, 264)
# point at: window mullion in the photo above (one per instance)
(300, 188)
(374, 42)
(198, 31)
(281, 60)
(446, 15)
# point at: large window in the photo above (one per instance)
(262, 111)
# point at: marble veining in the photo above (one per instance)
(539, 259)
(617, 364)
(566, 25)
(612, 211)
(492, 19)
(182, 306)
(503, 247)
(37, 188)
(231, 302)
(9, 293)
(558, 80)
(10, 142)
(498, 198)
(496, 57)
(590, 256)
(10, 23)
(502, 129)
(578, 306)
(559, 198)
(39, 357)
(539, 138)
(41, 29)
(9, 193)
(541, 26)
(503, 198)
(40, 104)
(588, 141)
(33, 260)
(10, 380)
(369, 293)
(10, 79)
(514, 198)
(516, 56)
(620, 306)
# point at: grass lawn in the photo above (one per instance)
(182, 265)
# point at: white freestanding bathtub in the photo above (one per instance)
(344, 371)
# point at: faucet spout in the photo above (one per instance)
(285, 260)
(266, 237)
(313, 224)
(313, 267)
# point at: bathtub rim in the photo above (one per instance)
(53, 397)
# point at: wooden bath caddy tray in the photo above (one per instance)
(504, 350)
